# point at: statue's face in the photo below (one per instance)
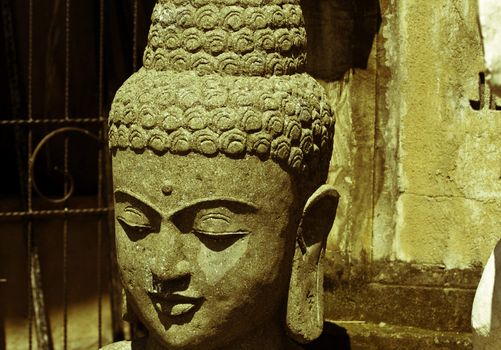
(204, 244)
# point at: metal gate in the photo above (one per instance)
(56, 235)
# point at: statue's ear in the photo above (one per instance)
(305, 304)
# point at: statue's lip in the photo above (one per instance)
(175, 304)
(175, 297)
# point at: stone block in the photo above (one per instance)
(428, 297)
(446, 230)
(367, 336)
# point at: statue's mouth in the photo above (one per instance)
(175, 305)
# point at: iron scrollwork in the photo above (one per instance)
(68, 178)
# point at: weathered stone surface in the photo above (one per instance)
(434, 127)
(486, 314)
(372, 336)
(352, 165)
(428, 169)
(402, 294)
(221, 147)
(429, 93)
(432, 149)
(466, 227)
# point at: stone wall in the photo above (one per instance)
(448, 150)
(418, 163)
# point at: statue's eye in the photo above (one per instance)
(134, 221)
(212, 222)
(217, 225)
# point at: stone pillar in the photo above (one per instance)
(421, 179)
(486, 313)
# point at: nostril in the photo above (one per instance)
(170, 285)
(170, 278)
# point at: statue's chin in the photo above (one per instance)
(272, 338)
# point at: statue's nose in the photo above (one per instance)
(171, 279)
(169, 266)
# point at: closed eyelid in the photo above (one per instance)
(215, 216)
(219, 222)
(212, 223)
(135, 217)
(136, 213)
(221, 217)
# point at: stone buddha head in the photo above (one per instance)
(221, 146)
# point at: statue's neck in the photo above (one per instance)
(269, 336)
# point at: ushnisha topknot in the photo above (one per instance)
(226, 77)
(250, 38)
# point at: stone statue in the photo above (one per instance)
(220, 147)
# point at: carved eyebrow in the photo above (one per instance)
(122, 195)
(237, 205)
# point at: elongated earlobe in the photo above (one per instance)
(305, 305)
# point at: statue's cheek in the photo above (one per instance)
(216, 264)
